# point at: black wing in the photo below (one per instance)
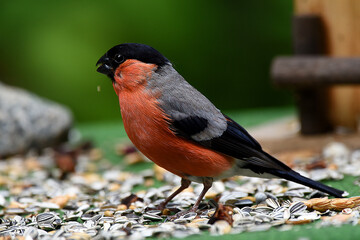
(189, 126)
(235, 142)
(235, 132)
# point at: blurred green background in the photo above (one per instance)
(223, 48)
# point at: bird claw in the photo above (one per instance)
(180, 214)
(161, 206)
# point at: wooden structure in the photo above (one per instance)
(328, 33)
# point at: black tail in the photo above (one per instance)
(283, 171)
(296, 177)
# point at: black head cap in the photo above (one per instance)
(118, 54)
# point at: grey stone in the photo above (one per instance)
(28, 121)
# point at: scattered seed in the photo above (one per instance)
(87, 198)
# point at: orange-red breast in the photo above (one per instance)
(179, 129)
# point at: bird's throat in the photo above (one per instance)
(132, 75)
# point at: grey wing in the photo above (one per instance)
(192, 114)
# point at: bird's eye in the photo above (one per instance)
(118, 58)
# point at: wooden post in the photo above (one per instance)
(341, 20)
(308, 39)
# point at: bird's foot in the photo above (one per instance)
(164, 210)
(161, 206)
(186, 214)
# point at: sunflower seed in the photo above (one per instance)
(31, 233)
(260, 197)
(243, 203)
(297, 207)
(272, 203)
(48, 221)
(152, 217)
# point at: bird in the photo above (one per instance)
(181, 130)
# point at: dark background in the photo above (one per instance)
(223, 48)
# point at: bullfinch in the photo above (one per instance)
(179, 129)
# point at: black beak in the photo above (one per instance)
(105, 66)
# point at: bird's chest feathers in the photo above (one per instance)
(144, 121)
(142, 117)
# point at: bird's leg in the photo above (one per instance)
(185, 183)
(207, 182)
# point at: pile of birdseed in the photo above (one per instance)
(76, 194)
